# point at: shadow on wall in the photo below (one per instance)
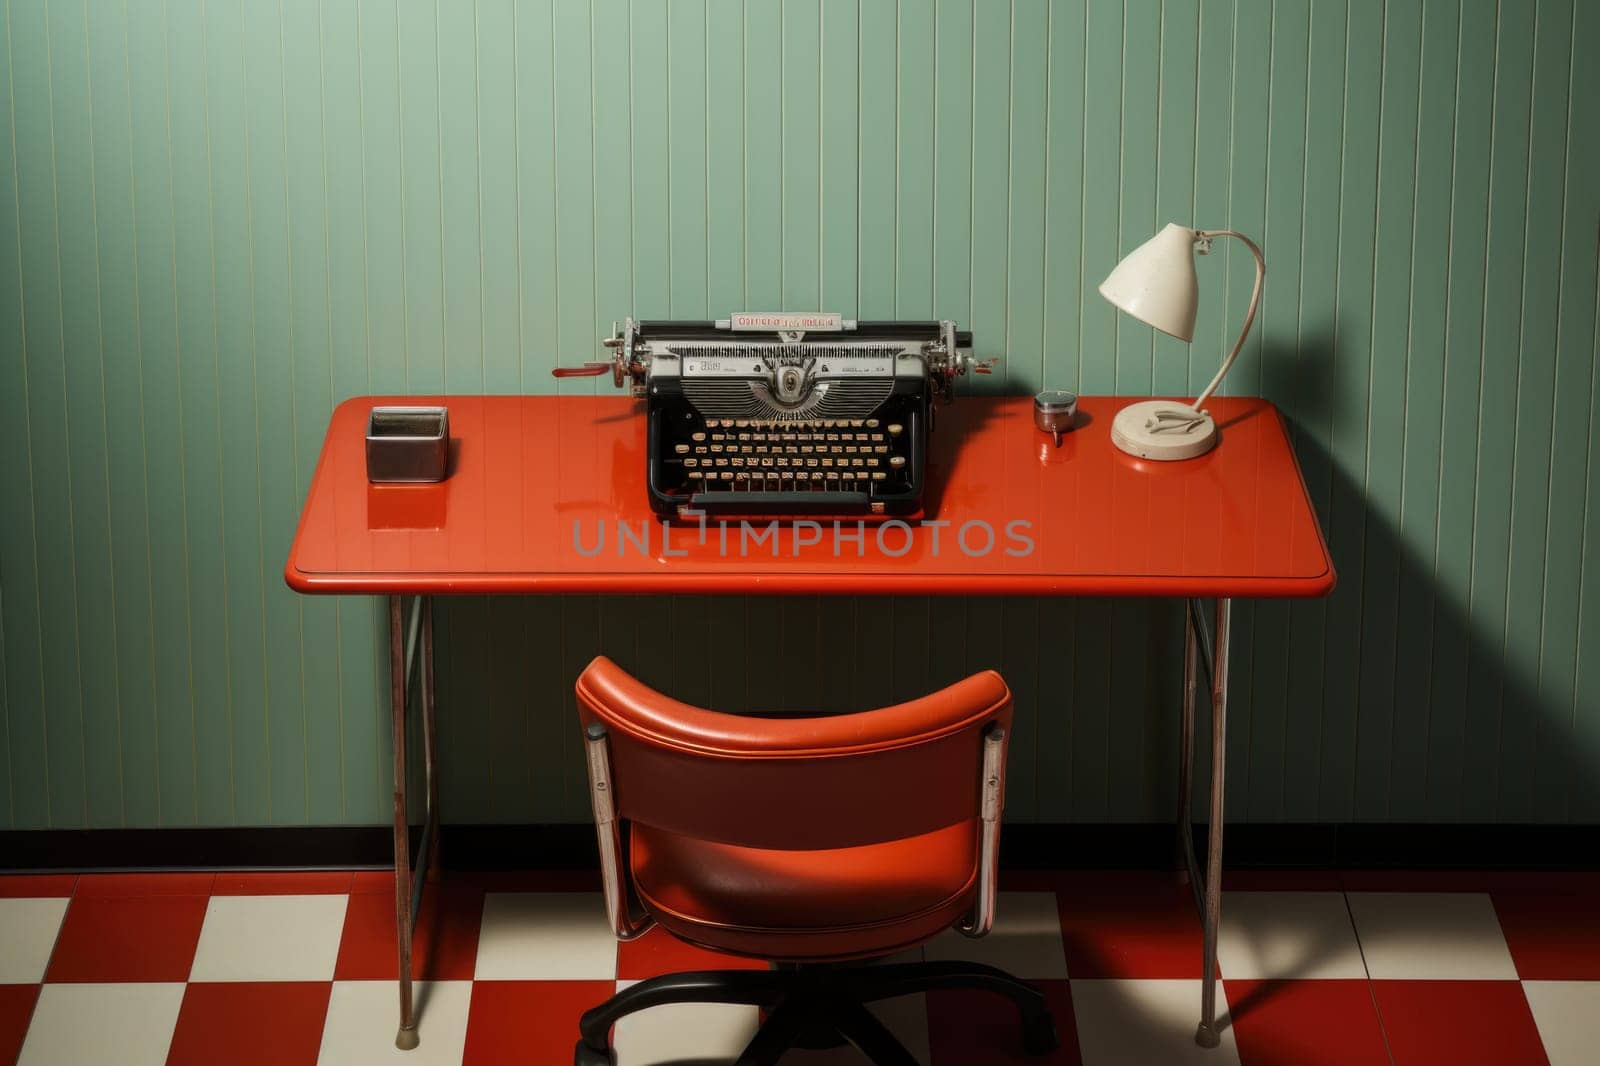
(1420, 712)
(1381, 703)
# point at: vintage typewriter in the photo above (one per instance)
(787, 414)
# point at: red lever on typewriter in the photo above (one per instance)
(587, 370)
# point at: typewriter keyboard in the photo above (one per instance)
(862, 455)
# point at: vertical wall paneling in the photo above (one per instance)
(613, 173)
(245, 586)
(87, 459)
(1386, 408)
(1497, 413)
(153, 209)
(5, 741)
(1531, 502)
(199, 419)
(725, 285)
(1569, 736)
(878, 56)
(1060, 354)
(1348, 398)
(686, 158)
(1424, 392)
(19, 653)
(648, 138)
(916, 69)
(44, 358)
(1464, 311)
(991, 179)
(763, 155)
(802, 174)
(220, 218)
(952, 159)
(1176, 154)
(1098, 239)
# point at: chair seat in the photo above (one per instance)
(806, 906)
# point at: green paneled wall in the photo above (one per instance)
(217, 219)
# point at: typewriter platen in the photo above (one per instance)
(787, 414)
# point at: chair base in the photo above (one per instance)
(811, 1006)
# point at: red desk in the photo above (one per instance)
(537, 480)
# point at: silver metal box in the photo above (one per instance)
(408, 444)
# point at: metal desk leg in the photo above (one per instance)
(1207, 1035)
(407, 633)
(1185, 835)
(430, 745)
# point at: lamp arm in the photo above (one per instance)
(1205, 236)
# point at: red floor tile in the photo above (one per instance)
(659, 952)
(1306, 1023)
(1129, 925)
(271, 1023)
(966, 1026)
(106, 886)
(297, 883)
(17, 886)
(138, 938)
(444, 946)
(372, 882)
(1458, 1023)
(16, 1009)
(1554, 932)
(514, 1023)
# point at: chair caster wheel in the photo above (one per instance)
(584, 1055)
(1039, 1035)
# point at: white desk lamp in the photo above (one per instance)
(1156, 284)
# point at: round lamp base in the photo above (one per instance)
(1133, 431)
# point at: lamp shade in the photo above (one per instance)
(1156, 282)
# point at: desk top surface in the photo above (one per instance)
(546, 495)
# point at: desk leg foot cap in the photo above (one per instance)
(1206, 1036)
(407, 1039)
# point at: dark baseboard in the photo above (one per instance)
(1054, 846)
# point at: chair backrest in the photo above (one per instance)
(793, 783)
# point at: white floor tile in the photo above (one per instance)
(545, 936)
(1304, 935)
(1568, 1016)
(363, 1017)
(1025, 940)
(28, 929)
(1140, 1023)
(270, 938)
(905, 1017)
(686, 1034)
(1430, 936)
(126, 1024)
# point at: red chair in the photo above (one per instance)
(817, 844)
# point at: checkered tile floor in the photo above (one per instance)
(295, 968)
